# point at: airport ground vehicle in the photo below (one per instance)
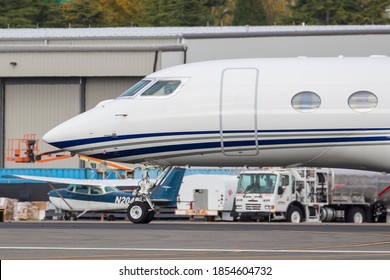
(207, 195)
(291, 194)
(309, 194)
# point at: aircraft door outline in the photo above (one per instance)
(238, 111)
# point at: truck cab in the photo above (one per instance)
(292, 194)
(263, 193)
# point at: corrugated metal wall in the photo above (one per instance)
(169, 59)
(76, 64)
(311, 46)
(99, 89)
(34, 106)
(37, 105)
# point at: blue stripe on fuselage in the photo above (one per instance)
(112, 197)
(88, 141)
(80, 142)
(232, 144)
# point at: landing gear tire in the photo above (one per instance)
(72, 217)
(294, 215)
(69, 217)
(139, 212)
(150, 217)
(355, 215)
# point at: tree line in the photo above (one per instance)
(117, 13)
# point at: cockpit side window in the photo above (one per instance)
(96, 190)
(162, 88)
(135, 88)
(82, 189)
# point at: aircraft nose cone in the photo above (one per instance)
(49, 137)
(64, 135)
(51, 193)
(55, 137)
(77, 131)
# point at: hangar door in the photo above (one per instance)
(34, 106)
(238, 110)
(103, 88)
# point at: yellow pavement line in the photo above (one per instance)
(342, 246)
(332, 232)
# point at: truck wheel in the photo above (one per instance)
(138, 212)
(294, 215)
(355, 215)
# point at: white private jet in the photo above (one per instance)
(329, 112)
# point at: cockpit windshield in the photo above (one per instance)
(70, 188)
(110, 189)
(135, 88)
(162, 88)
(257, 183)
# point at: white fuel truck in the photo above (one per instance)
(312, 195)
(291, 194)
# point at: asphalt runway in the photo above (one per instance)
(187, 240)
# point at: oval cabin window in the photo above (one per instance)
(362, 101)
(306, 101)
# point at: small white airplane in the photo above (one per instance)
(329, 112)
(104, 196)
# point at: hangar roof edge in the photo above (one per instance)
(189, 32)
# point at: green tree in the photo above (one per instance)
(373, 11)
(249, 12)
(20, 13)
(326, 12)
(51, 14)
(83, 13)
(220, 11)
(121, 12)
(277, 11)
(31, 13)
(175, 13)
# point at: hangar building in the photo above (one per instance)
(50, 75)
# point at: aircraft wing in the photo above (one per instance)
(68, 181)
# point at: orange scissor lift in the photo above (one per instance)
(26, 150)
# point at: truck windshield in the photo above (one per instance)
(257, 183)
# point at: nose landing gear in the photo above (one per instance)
(141, 209)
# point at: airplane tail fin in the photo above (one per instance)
(165, 194)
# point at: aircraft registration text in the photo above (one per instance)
(122, 200)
